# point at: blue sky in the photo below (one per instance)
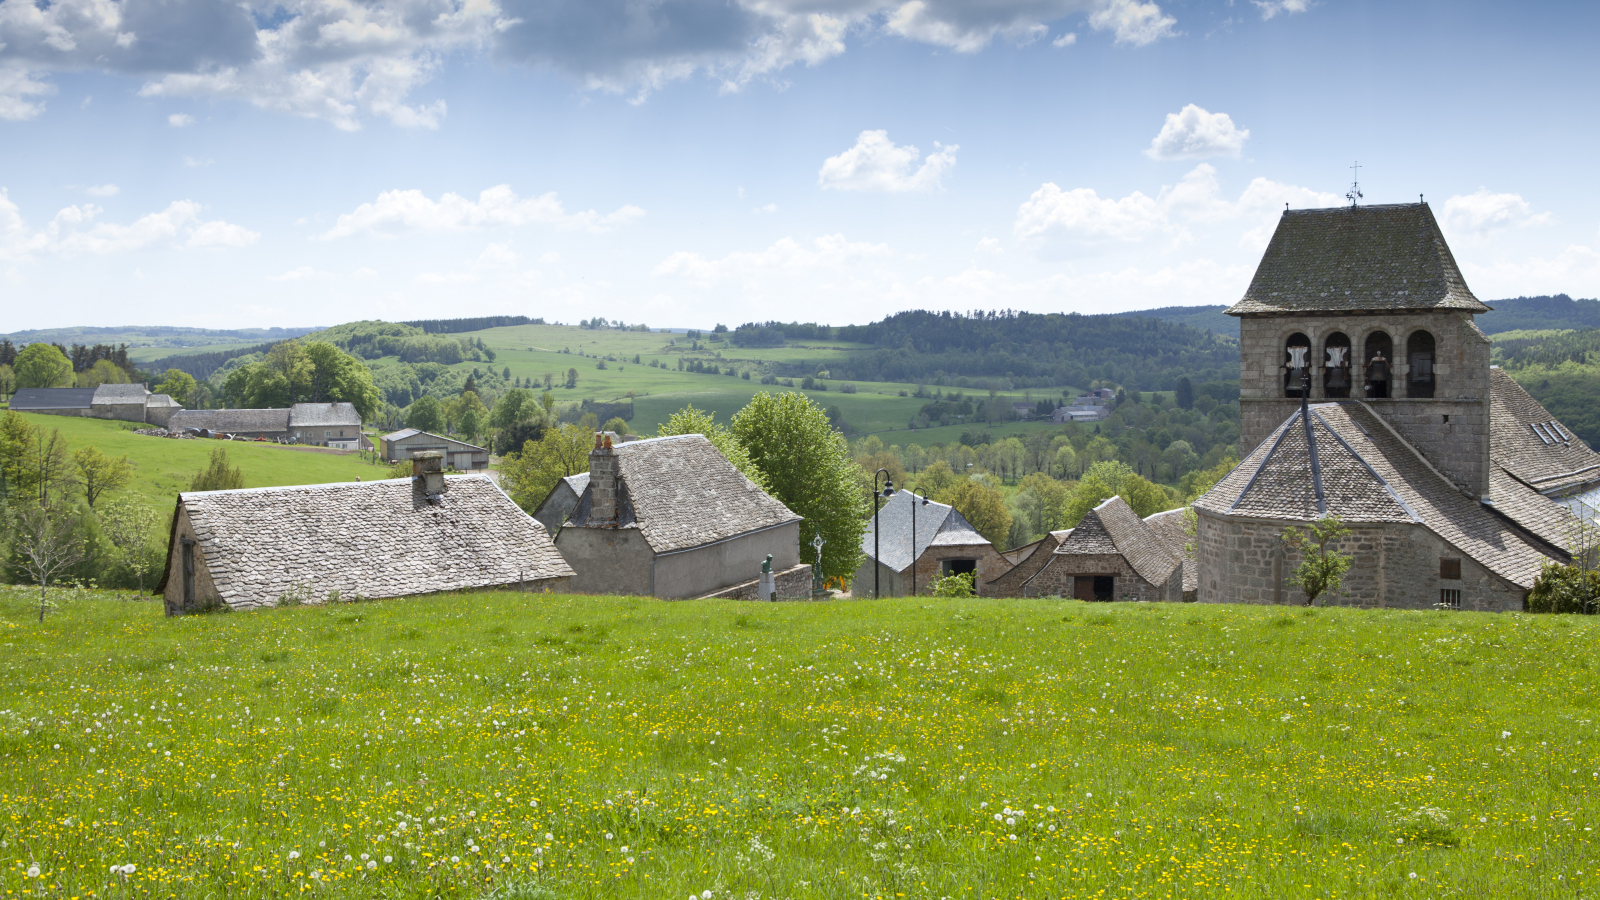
(685, 162)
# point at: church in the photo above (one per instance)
(1366, 392)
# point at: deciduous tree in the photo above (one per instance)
(983, 507)
(99, 473)
(177, 384)
(48, 539)
(218, 475)
(1322, 563)
(426, 415)
(41, 365)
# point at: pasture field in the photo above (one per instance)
(162, 467)
(543, 746)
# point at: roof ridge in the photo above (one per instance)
(1368, 466)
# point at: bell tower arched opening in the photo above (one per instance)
(1379, 352)
(1336, 366)
(1296, 363)
(1419, 359)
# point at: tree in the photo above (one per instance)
(1196, 484)
(99, 473)
(337, 377)
(935, 479)
(8, 381)
(426, 414)
(982, 506)
(217, 476)
(128, 526)
(616, 425)
(530, 473)
(572, 378)
(177, 384)
(693, 421)
(41, 365)
(1043, 501)
(104, 371)
(467, 413)
(1091, 491)
(1321, 565)
(48, 537)
(42, 470)
(808, 468)
(1185, 393)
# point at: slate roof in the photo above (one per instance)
(52, 398)
(161, 400)
(1546, 519)
(1171, 528)
(323, 415)
(232, 421)
(120, 394)
(681, 492)
(1357, 259)
(1369, 475)
(1113, 529)
(1011, 582)
(1548, 457)
(404, 433)
(937, 525)
(369, 539)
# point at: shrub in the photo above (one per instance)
(1565, 589)
(959, 585)
(218, 476)
(850, 388)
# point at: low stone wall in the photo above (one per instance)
(792, 584)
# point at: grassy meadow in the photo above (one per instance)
(544, 746)
(163, 467)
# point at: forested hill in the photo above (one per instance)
(1514, 314)
(1025, 349)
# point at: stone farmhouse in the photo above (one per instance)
(1110, 555)
(561, 501)
(1022, 564)
(336, 425)
(1366, 393)
(670, 517)
(127, 402)
(260, 547)
(459, 455)
(937, 542)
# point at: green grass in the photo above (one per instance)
(511, 745)
(163, 467)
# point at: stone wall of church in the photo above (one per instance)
(1395, 566)
(1451, 429)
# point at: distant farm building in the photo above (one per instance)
(1111, 554)
(939, 542)
(399, 446)
(336, 425)
(126, 402)
(262, 547)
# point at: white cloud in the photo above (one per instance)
(1481, 212)
(1066, 40)
(497, 255)
(786, 257)
(76, 230)
(304, 273)
(769, 209)
(17, 86)
(180, 120)
(1193, 133)
(876, 163)
(1270, 8)
(102, 190)
(1082, 215)
(1133, 22)
(411, 210)
(989, 245)
(919, 21)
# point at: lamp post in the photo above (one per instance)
(914, 505)
(888, 491)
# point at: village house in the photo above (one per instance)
(561, 501)
(1023, 563)
(670, 517)
(1366, 393)
(938, 543)
(401, 445)
(1111, 554)
(336, 425)
(126, 402)
(262, 547)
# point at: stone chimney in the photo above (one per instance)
(427, 474)
(602, 482)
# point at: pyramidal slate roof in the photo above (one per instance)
(1357, 259)
(681, 492)
(937, 524)
(1114, 529)
(369, 539)
(1530, 444)
(1369, 475)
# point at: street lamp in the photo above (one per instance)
(914, 505)
(888, 491)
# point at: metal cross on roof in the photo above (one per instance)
(1354, 193)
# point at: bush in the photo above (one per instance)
(1565, 589)
(959, 585)
(850, 388)
(218, 476)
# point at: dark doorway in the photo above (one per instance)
(959, 566)
(188, 574)
(1094, 587)
(1419, 354)
(1104, 587)
(1296, 362)
(1336, 366)
(1378, 356)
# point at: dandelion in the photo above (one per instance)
(33, 871)
(388, 859)
(705, 895)
(294, 854)
(1413, 875)
(455, 859)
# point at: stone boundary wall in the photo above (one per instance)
(793, 584)
(1242, 560)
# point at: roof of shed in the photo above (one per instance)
(1114, 529)
(26, 399)
(404, 433)
(681, 492)
(366, 539)
(1357, 259)
(1369, 475)
(937, 524)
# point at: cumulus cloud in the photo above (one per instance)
(1139, 24)
(1066, 40)
(876, 163)
(400, 211)
(1270, 8)
(1481, 212)
(1194, 133)
(345, 62)
(1081, 215)
(77, 230)
(180, 120)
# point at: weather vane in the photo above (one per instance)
(1354, 193)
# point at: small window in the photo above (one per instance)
(327, 434)
(1450, 569)
(1450, 598)
(1561, 433)
(1541, 433)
